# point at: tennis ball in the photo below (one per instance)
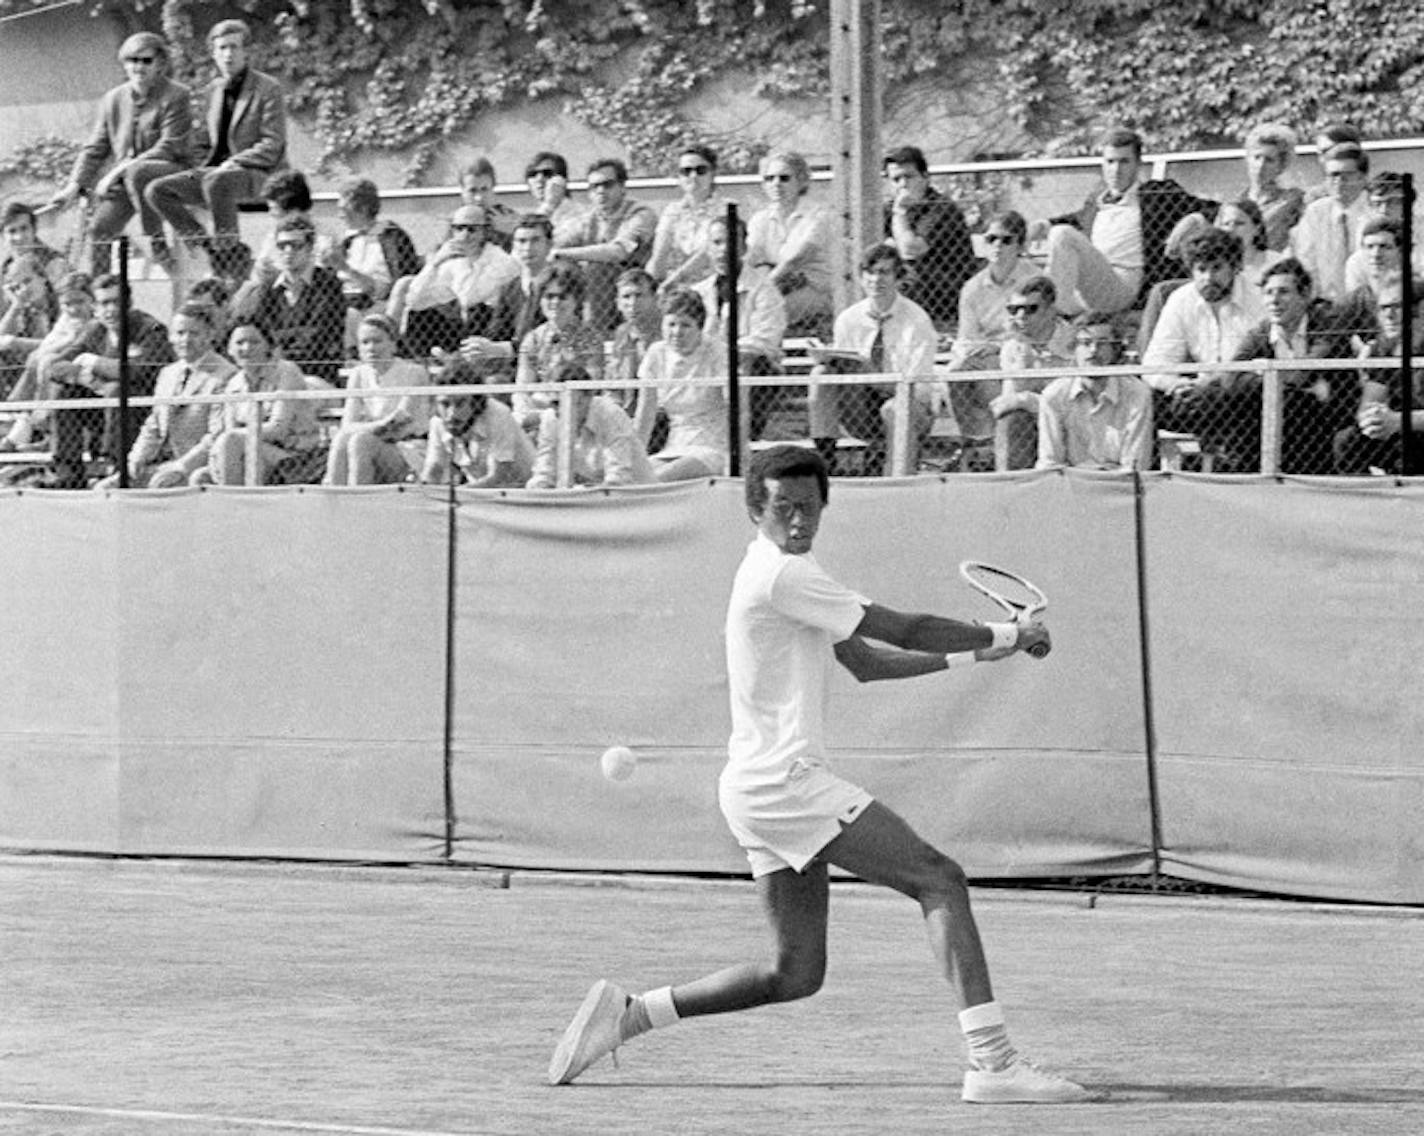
(618, 763)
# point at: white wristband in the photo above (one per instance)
(1005, 634)
(960, 659)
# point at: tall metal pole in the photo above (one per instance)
(733, 268)
(1406, 335)
(856, 81)
(122, 249)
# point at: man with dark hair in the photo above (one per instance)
(141, 133)
(477, 183)
(615, 234)
(1038, 337)
(1224, 410)
(1378, 260)
(1374, 442)
(786, 621)
(929, 232)
(1329, 230)
(242, 139)
(1111, 251)
(296, 302)
(881, 334)
(547, 176)
(374, 253)
(516, 310)
(19, 225)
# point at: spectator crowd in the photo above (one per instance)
(1202, 294)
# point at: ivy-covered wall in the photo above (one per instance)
(402, 84)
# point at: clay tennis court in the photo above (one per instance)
(147, 998)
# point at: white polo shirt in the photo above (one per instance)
(785, 615)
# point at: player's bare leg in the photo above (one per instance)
(796, 908)
(878, 846)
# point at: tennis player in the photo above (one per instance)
(786, 620)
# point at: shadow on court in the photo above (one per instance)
(154, 998)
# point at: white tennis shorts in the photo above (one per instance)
(786, 824)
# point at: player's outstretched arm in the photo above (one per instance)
(938, 635)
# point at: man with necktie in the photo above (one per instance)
(1329, 231)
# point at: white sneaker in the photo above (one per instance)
(1022, 1083)
(592, 1035)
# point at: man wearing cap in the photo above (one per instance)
(141, 134)
(243, 140)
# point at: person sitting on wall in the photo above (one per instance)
(928, 231)
(477, 184)
(680, 254)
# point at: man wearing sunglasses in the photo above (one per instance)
(614, 235)
(141, 133)
(1038, 337)
(457, 289)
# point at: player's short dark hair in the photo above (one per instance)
(783, 461)
(1212, 245)
(1290, 266)
(911, 156)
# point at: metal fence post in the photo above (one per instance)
(1271, 420)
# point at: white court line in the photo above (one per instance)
(210, 1118)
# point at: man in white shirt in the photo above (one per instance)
(473, 439)
(881, 334)
(467, 270)
(1094, 420)
(787, 620)
(607, 448)
(1038, 337)
(1329, 230)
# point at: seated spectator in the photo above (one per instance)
(984, 320)
(1225, 410)
(680, 256)
(547, 176)
(761, 318)
(884, 333)
(288, 198)
(697, 443)
(96, 373)
(1385, 194)
(141, 133)
(1378, 259)
(793, 238)
(1244, 221)
(288, 434)
(1038, 338)
(297, 303)
(1270, 149)
(242, 141)
(1373, 443)
(373, 253)
(1330, 135)
(1204, 321)
(29, 312)
(1329, 229)
(516, 311)
(1091, 420)
(477, 182)
(563, 337)
(454, 295)
(929, 232)
(607, 450)
(75, 332)
(1110, 252)
(215, 293)
(381, 437)
(641, 327)
(173, 443)
(474, 440)
(615, 234)
(19, 225)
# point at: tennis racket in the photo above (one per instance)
(1021, 599)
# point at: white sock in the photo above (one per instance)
(644, 1012)
(987, 1037)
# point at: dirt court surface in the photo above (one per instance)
(189, 999)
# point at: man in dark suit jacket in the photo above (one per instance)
(141, 133)
(297, 303)
(929, 232)
(1111, 251)
(246, 140)
(1225, 410)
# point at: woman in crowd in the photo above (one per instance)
(697, 412)
(1244, 220)
(287, 427)
(31, 306)
(792, 237)
(563, 337)
(680, 255)
(378, 432)
(1270, 147)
